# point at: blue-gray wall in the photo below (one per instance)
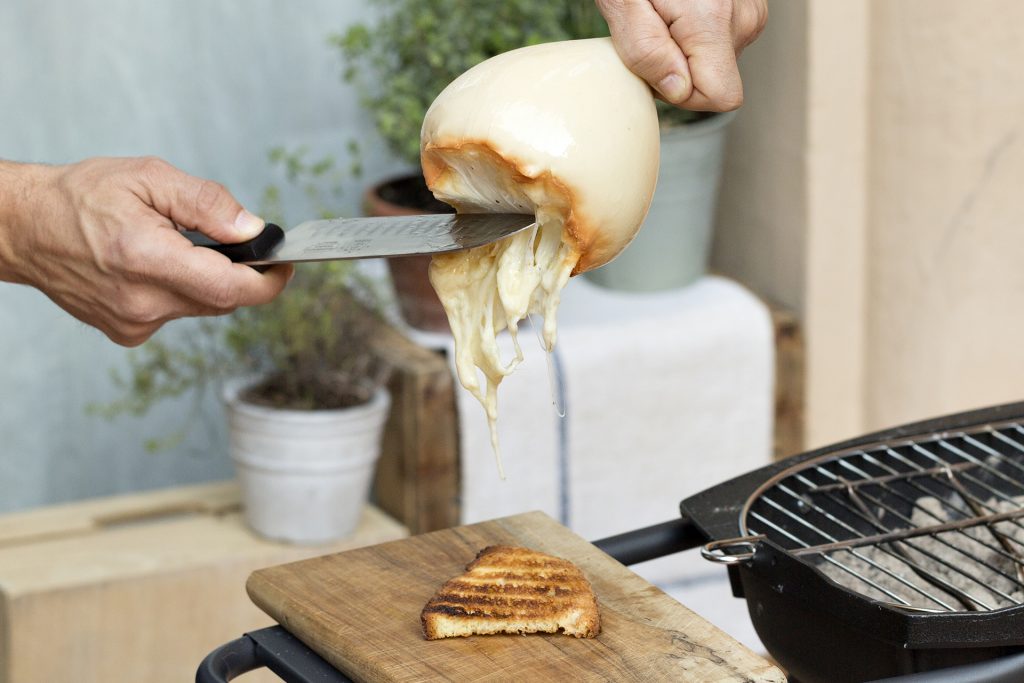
(209, 85)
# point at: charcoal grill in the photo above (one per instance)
(895, 553)
(917, 519)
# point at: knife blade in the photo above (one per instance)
(370, 237)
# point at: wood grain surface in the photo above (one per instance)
(360, 611)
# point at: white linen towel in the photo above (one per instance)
(665, 394)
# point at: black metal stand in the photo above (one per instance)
(274, 648)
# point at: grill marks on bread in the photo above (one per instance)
(513, 590)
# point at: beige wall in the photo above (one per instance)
(946, 227)
(895, 223)
(760, 215)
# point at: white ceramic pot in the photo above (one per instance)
(672, 248)
(305, 474)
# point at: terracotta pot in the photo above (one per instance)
(417, 300)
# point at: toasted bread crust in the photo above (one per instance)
(507, 589)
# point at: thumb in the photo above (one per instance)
(646, 47)
(196, 204)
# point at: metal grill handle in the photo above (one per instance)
(731, 550)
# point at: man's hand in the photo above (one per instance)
(100, 239)
(687, 49)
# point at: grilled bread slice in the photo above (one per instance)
(513, 590)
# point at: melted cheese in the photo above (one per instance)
(491, 289)
(560, 130)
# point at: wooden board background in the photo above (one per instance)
(137, 588)
(360, 610)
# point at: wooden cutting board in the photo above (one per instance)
(360, 610)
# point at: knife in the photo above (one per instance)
(357, 238)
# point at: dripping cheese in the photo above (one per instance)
(492, 288)
(562, 131)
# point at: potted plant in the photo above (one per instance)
(303, 388)
(401, 63)
(673, 248)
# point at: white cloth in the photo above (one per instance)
(666, 394)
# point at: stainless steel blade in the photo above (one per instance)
(356, 238)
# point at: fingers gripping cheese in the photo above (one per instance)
(563, 131)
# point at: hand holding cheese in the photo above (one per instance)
(687, 49)
(561, 130)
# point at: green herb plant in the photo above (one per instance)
(312, 347)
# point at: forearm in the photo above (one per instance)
(19, 185)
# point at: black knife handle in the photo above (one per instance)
(256, 249)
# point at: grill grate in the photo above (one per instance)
(933, 523)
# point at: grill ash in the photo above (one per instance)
(929, 524)
(973, 561)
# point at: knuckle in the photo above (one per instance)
(127, 253)
(761, 13)
(134, 340)
(751, 22)
(646, 53)
(129, 335)
(730, 101)
(717, 10)
(624, 14)
(209, 195)
(140, 309)
(152, 166)
(223, 295)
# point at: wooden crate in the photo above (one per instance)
(417, 479)
(788, 430)
(137, 588)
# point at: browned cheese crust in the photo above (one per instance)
(585, 234)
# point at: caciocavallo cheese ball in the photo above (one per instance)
(561, 126)
(562, 131)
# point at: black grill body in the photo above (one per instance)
(819, 630)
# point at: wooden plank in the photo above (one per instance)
(116, 593)
(417, 479)
(360, 611)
